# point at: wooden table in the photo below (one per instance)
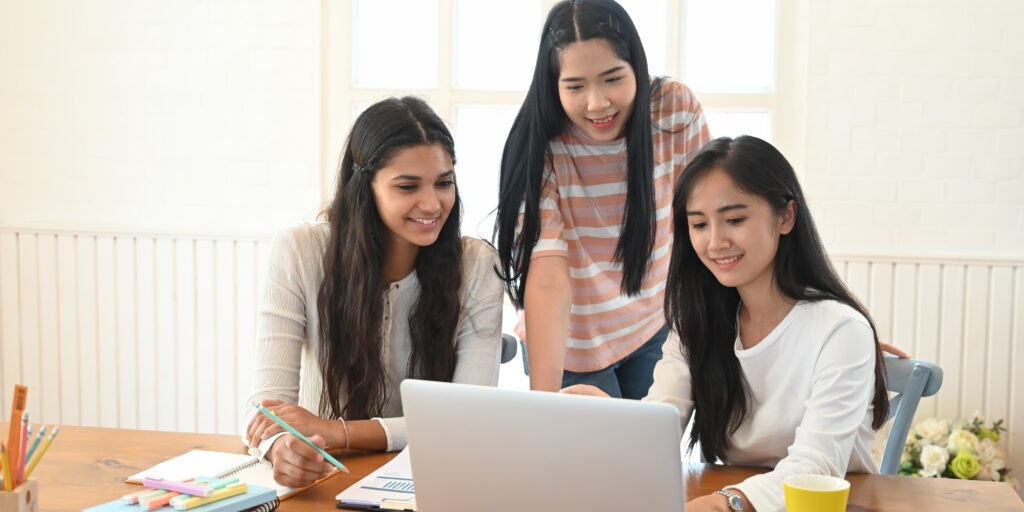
(87, 466)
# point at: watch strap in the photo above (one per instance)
(734, 500)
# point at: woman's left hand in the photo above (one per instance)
(891, 349)
(262, 427)
(584, 389)
(708, 503)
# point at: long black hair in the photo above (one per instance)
(542, 117)
(351, 298)
(703, 311)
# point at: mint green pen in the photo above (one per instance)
(291, 430)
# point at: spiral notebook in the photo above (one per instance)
(195, 463)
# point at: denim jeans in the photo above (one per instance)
(630, 377)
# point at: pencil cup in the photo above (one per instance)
(24, 498)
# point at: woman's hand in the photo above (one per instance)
(584, 389)
(262, 427)
(296, 464)
(716, 503)
(891, 349)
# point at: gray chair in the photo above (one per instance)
(910, 379)
(508, 348)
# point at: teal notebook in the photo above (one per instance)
(253, 497)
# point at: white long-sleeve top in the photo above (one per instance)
(811, 384)
(288, 339)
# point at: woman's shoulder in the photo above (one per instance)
(303, 238)
(305, 232)
(476, 253)
(833, 316)
(674, 105)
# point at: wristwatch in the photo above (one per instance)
(735, 501)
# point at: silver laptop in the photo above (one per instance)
(477, 448)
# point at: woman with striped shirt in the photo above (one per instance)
(584, 225)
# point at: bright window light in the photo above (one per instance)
(733, 123)
(496, 56)
(650, 20)
(729, 45)
(480, 133)
(395, 44)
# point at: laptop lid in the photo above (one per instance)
(479, 448)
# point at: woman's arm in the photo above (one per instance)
(836, 411)
(478, 346)
(548, 302)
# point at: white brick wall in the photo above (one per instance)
(915, 121)
(159, 116)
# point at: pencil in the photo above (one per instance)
(6, 466)
(42, 451)
(296, 433)
(35, 443)
(22, 459)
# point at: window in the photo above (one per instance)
(473, 59)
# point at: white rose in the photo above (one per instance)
(986, 474)
(961, 440)
(987, 451)
(933, 460)
(932, 431)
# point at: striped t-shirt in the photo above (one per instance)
(581, 210)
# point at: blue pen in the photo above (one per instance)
(292, 431)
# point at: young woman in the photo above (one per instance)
(384, 290)
(583, 226)
(775, 359)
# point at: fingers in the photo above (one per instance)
(891, 349)
(584, 389)
(297, 464)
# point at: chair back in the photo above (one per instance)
(910, 379)
(508, 347)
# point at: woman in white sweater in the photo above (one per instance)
(775, 359)
(384, 290)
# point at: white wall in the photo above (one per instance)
(915, 126)
(159, 116)
(143, 120)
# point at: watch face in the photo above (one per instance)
(735, 502)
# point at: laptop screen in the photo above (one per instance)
(482, 448)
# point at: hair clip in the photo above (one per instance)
(356, 168)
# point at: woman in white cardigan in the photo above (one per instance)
(775, 359)
(384, 290)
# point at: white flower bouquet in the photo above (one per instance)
(966, 449)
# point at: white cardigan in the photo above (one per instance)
(288, 329)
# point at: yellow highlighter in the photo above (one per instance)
(192, 502)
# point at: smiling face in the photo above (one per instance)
(735, 234)
(415, 193)
(596, 88)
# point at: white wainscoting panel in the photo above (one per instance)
(155, 331)
(968, 316)
(133, 331)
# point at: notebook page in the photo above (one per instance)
(262, 474)
(185, 466)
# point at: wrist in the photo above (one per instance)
(734, 500)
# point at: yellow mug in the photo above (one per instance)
(816, 493)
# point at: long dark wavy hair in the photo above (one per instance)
(703, 311)
(542, 117)
(351, 298)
